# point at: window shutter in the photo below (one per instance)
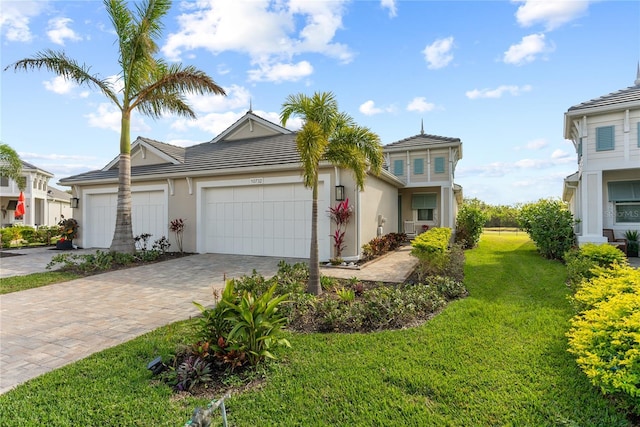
(604, 138)
(418, 166)
(398, 166)
(624, 191)
(423, 201)
(439, 164)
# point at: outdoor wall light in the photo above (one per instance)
(75, 202)
(339, 193)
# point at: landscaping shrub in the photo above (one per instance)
(469, 224)
(432, 250)
(581, 261)
(605, 334)
(381, 245)
(550, 225)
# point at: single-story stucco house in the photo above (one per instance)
(605, 191)
(44, 205)
(242, 193)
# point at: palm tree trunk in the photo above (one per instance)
(313, 287)
(123, 234)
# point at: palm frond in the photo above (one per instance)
(311, 146)
(62, 65)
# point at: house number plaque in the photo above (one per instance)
(256, 180)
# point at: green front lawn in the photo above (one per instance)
(497, 357)
(35, 280)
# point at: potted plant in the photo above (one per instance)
(632, 237)
(68, 231)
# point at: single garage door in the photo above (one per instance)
(270, 220)
(148, 210)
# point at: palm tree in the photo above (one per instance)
(11, 165)
(331, 136)
(150, 86)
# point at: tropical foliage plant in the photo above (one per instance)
(340, 214)
(11, 165)
(332, 136)
(145, 83)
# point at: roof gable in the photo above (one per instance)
(145, 151)
(250, 126)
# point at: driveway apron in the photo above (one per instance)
(45, 328)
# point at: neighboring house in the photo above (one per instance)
(426, 166)
(605, 191)
(242, 193)
(43, 204)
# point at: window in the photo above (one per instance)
(4, 181)
(418, 166)
(398, 167)
(424, 204)
(604, 138)
(626, 198)
(439, 164)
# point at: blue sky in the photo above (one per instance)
(499, 75)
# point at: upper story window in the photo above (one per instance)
(439, 165)
(418, 166)
(604, 138)
(4, 181)
(398, 167)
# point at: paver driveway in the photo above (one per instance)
(45, 328)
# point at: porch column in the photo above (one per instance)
(592, 208)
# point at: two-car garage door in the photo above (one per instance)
(148, 210)
(271, 220)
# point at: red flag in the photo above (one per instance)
(20, 207)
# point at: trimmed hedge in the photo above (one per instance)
(581, 261)
(605, 335)
(434, 241)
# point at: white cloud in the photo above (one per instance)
(421, 105)
(281, 72)
(58, 31)
(497, 92)
(59, 85)
(527, 50)
(391, 5)
(286, 29)
(107, 116)
(15, 17)
(438, 54)
(238, 97)
(552, 14)
(368, 108)
(535, 144)
(561, 156)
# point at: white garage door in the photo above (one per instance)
(148, 210)
(271, 220)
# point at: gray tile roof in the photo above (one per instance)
(421, 140)
(173, 151)
(210, 157)
(624, 96)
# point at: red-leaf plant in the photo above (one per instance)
(340, 214)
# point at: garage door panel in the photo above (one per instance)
(262, 220)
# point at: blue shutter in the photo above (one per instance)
(580, 148)
(604, 138)
(398, 166)
(439, 165)
(418, 166)
(423, 201)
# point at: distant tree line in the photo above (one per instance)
(496, 215)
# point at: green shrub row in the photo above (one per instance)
(582, 261)
(28, 234)
(433, 241)
(549, 224)
(469, 224)
(605, 334)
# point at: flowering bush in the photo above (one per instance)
(340, 214)
(68, 229)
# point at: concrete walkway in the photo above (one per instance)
(393, 267)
